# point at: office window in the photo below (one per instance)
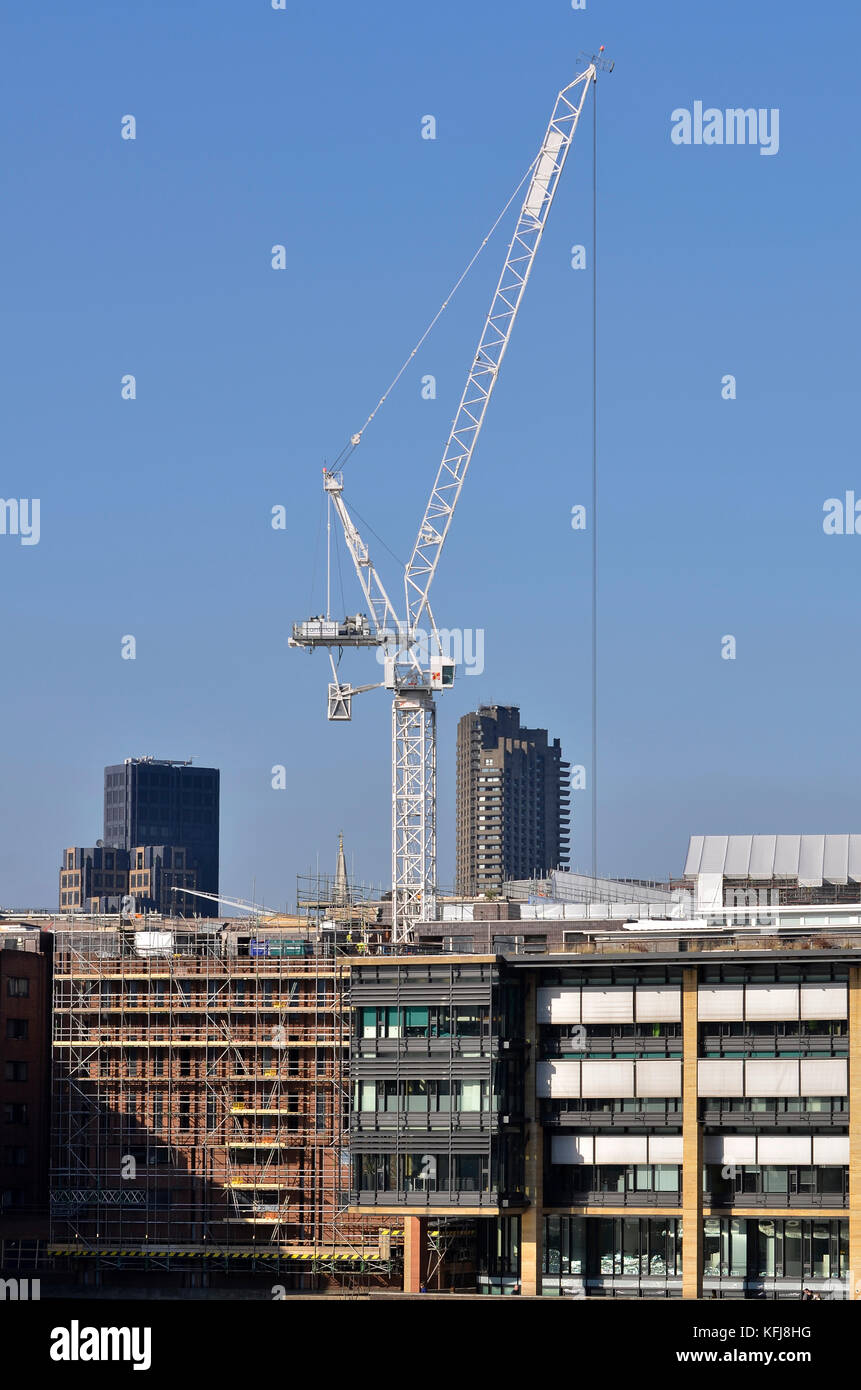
(470, 1095)
(18, 987)
(15, 1156)
(15, 1113)
(793, 1267)
(416, 1095)
(380, 1023)
(17, 1029)
(365, 1095)
(442, 1096)
(372, 1172)
(459, 945)
(425, 1172)
(774, 1179)
(15, 1071)
(831, 1179)
(470, 1172)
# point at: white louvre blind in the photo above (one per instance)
(470, 1095)
(621, 1148)
(608, 1079)
(772, 1001)
(771, 1078)
(827, 1000)
(560, 1079)
(658, 1004)
(831, 1148)
(665, 1148)
(729, 1148)
(572, 1148)
(783, 1148)
(613, 1005)
(825, 1077)
(718, 1078)
(558, 1005)
(716, 1002)
(662, 1078)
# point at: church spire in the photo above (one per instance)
(341, 874)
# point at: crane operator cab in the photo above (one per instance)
(441, 673)
(438, 674)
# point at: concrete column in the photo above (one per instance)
(415, 1253)
(532, 1220)
(692, 1146)
(854, 1131)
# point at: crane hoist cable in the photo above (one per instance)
(323, 505)
(368, 527)
(340, 575)
(356, 438)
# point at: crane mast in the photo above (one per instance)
(413, 675)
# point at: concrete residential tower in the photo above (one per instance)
(512, 800)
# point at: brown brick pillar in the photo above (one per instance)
(415, 1253)
(692, 1146)
(532, 1221)
(854, 1131)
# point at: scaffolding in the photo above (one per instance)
(200, 1103)
(326, 897)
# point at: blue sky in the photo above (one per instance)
(302, 127)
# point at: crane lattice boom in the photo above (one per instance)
(492, 344)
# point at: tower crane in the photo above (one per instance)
(414, 670)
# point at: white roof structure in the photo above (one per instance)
(811, 859)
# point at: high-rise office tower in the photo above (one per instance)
(512, 800)
(154, 801)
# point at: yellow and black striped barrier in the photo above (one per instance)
(150, 1252)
